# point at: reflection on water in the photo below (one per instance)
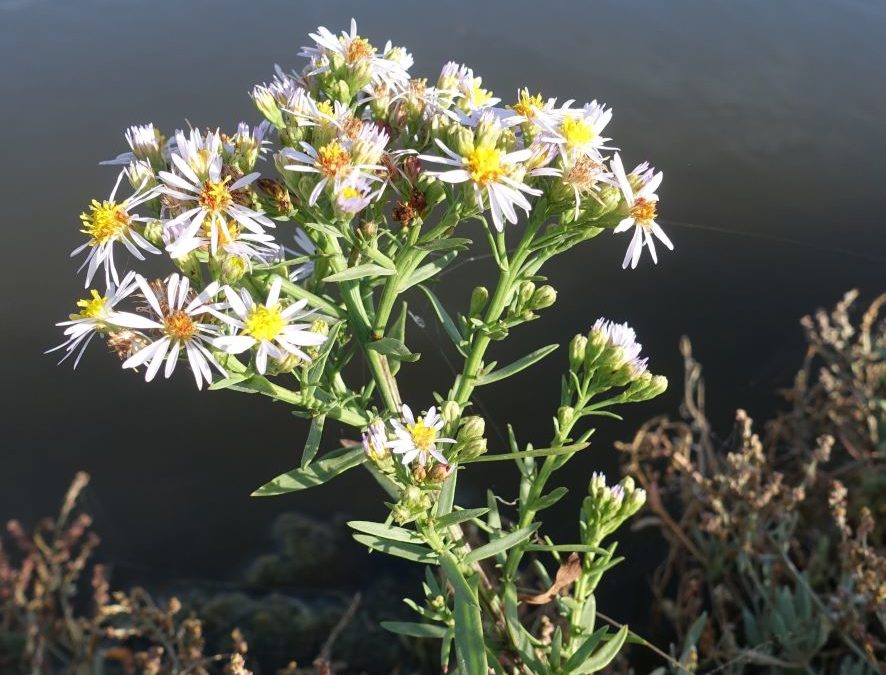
(764, 117)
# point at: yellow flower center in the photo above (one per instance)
(264, 323)
(423, 436)
(484, 164)
(479, 96)
(577, 132)
(215, 196)
(332, 158)
(227, 232)
(349, 192)
(643, 211)
(326, 108)
(105, 221)
(179, 326)
(527, 105)
(92, 307)
(358, 49)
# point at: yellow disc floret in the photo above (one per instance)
(92, 307)
(423, 436)
(527, 105)
(332, 158)
(643, 211)
(215, 196)
(484, 164)
(264, 323)
(105, 221)
(179, 326)
(577, 132)
(358, 49)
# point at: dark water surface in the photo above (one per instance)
(768, 119)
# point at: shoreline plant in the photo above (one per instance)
(376, 175)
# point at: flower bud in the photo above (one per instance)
(565, 416)
(472, 448)
(488, 131)
(419, 473)
(440, 472)
(543, 297)
(479, 298)
(597, 342)
(233, 268)
(461, 140)
(287, 364)
(153, 232)
(188, 264)
(471, 427)
(267, 106)
(524, 293)
(577, 348)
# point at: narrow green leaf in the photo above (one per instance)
(393, 347)
(413, 629)
(445, 244)
(501, 544)
(516, 366)
(401, 549)
(457, 517)
(548, 500)
(444, 318)
(603, 656)
(541, 452)
(230, 381)
(523, 640)
(359, 272)
(328, 230)
(447, 495)
(584, 651)
(312, 444)
(385, 531)
(379, 257)
(317, 473)
(567, 548)
(470, 648)
(426, 271)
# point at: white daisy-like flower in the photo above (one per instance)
(215, 207)
(357, 51)
(96, 315)
(146, 143)
(353, 195)
(333, 162)
(621, 335)
(492, 172)
(271, 327)
(176, 316)
(200, 152)
(585, 176)
(459, 80)
(248, 144)
(642, 205)
(418, 438)
(576, 131)
(375, 440)
(109, 223)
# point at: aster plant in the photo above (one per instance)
(295, 246)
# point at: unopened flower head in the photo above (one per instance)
(375, 440)
(95, 316)
(175, 322)
(146, 143)
(109, 223)
(418, 438)
(622, 337)
(273, 329)
(641, 202)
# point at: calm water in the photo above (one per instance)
(768, 119)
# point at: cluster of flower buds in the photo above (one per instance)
(470, 441)
(610, 356)
(605, 508)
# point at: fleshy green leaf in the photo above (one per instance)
(584, 651)
(602, 657)
(501, 544)
(359, 272)
(445, 320)
(548, 500)
(317, 473)
(385, 531)
(456, 517)
(426, 271)
(541, 452)
(447, 495)
(413, 629)
(445, 244)
(393, 347)
(401, 549)
(312, 444)
(516, 366)
(470, 648)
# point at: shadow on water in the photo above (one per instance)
(762, 116)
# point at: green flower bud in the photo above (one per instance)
(153, 232)
(577, 349)
(479, 298)
(543, 297)
(565, 416)
(435, 192)
(233, 268)
(450, 411)
(488, 132)
(524, 293)
(471, 427)
(289, 363)
(461, 139)
(267, 106)
(438, 602)
(596, 344)
(188, 264)
(340, 91)
(472, 448)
